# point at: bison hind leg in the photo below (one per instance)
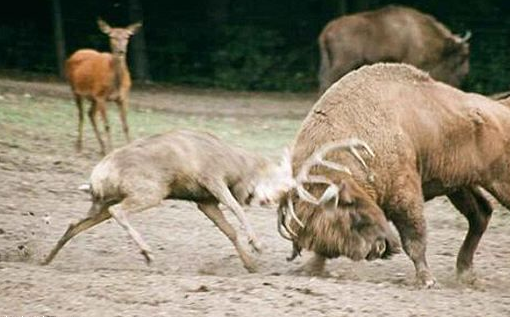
(477, 209)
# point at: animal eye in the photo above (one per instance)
(359, 221)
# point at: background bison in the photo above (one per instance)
(391, 34)
(429, 140)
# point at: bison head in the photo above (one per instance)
(453, 64)
(345, 223)
(345, 220)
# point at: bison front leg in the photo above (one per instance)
(313, 267)
(477, 209)
(406, 212)
(412, 228)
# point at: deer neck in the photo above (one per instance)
(119, 68)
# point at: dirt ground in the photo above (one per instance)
(196, 270)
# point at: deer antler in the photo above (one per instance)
(286, 211)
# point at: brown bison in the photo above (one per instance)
(391, 34)
(428, 139)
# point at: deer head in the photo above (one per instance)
(119, 37)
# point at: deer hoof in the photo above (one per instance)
(256, 245)
(148, 257)
(251, 268)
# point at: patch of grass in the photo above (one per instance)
(55, 121)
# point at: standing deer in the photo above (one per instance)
(102, 77)
(184, 165)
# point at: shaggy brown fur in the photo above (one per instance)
(429, 139)
(391, 34)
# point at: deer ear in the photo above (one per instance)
(103, 26)
(133, 28)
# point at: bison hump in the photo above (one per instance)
(396, 72)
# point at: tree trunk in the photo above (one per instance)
(138, 51)
(58, 31)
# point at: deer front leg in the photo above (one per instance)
(79, 140)
(123, 106)
(214, 213)
(101, 107)
(92, 117)
(130, 205)
(222, 193)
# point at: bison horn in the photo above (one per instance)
(466, 37)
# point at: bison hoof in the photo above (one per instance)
(426, 280)
(308, 271)
(468, 277)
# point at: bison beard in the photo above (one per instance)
(346, 232)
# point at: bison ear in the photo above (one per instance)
(329, 200)
(345, 193)
(336, 194)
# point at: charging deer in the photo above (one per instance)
(101, 77)
(184, 165)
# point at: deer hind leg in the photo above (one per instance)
(222, 193)
(123, 105)
(75, 228)
(120, 213)
(101, 107)
(214, 213)
(477, 209)
(79, 140)
(92, 117)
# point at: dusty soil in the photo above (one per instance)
(196, 270)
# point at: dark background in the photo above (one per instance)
(236, 44)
